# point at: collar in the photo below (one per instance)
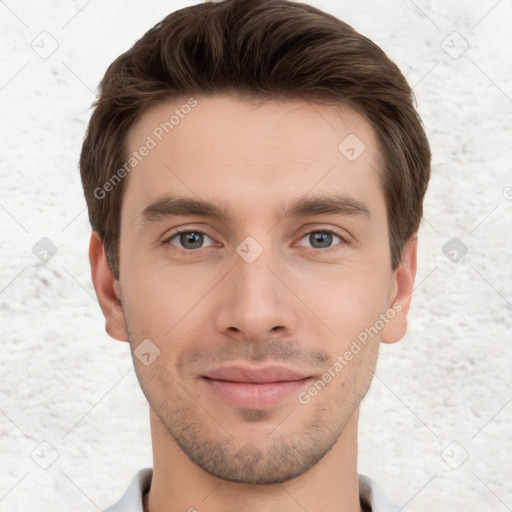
(372, 497)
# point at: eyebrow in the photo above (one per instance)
(332, 204)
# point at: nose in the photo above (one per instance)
(253, 303)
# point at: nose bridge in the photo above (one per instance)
(253, 300)
(254, 284)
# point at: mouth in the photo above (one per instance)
(254, 388)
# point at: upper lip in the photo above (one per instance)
(237, 373)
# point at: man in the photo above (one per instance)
(254, 173)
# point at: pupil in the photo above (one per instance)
(195, 240)
(324, 239)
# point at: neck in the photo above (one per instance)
(179, 485)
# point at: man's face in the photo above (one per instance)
(260, 287)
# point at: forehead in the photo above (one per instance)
(232, 150)
(254, 123)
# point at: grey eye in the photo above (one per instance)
(321, 239)
(189, 239)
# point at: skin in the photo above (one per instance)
(299, 303)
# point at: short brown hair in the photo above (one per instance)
(266, 49)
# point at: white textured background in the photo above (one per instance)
(436, 427)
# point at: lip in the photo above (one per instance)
(264, 375)
(254, 388)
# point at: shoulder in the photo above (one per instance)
(373, 498)
(131, 500)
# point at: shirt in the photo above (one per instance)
(372, 497)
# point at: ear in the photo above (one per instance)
(107, 290)
(401, 293)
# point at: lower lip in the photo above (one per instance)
(254, 396)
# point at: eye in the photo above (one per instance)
(188, 240)
(322, 239)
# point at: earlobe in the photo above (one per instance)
(107, 290)
(400, 301)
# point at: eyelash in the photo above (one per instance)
(193, 252)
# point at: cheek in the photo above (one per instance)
(346, 300)
(343, 384)
(165, 301)
(160, 304)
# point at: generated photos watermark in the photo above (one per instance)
(361, 340)
(151, 142)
